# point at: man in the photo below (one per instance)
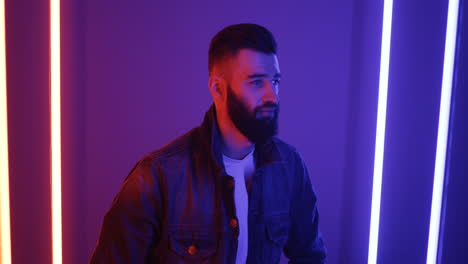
(227, 191)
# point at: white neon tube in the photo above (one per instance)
(55, 137)
(380, 132)
(442, 133)
(5, 236)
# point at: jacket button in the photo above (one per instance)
(233, 223)
(192, 250)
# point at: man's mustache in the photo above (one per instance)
(268, 106)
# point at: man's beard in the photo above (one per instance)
(255, 129)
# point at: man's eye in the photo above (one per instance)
(257, 82)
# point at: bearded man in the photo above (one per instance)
(228, 191)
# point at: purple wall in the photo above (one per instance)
(361, 124)
(416, 63)
(27, 44)
(74, 182)
(453, 247)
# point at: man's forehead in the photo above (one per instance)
(249, 62)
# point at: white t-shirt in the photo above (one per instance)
(241, 170)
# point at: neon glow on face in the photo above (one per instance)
(258, 124)
(252, 100)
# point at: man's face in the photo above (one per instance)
(252, 95)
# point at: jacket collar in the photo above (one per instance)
(210, 137)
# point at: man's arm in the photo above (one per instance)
(131, 224)
(305, 244)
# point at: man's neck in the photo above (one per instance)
(234, 144)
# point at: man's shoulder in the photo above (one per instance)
(177, 147)
(287, 150)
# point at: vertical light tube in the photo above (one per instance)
(5, 238)
(55, 137)
(380, 132)
(442, 133)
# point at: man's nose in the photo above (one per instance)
(271, 93)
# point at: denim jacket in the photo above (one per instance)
(177, 206)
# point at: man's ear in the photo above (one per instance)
(217, 86)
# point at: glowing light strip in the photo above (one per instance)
(380, 131)
(55, 139)
(442, 133)
(5, 238)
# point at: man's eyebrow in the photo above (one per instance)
(261, 75)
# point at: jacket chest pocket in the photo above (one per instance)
(277, 230)
(191, 246)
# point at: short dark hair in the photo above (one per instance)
(233, 38)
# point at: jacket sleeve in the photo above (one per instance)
(131, 224)
(305, 244)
